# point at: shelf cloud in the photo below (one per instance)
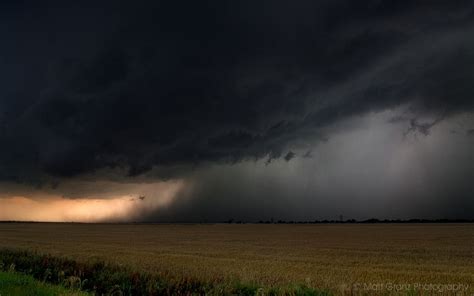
(362, 107)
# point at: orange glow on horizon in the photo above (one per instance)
(57, 209)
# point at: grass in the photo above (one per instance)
(102, 278)
(15, 284)
(253, 259)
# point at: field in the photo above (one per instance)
(340, 258)
(23, 285)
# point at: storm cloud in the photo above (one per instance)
(148, 92)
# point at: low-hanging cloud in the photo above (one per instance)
(138, 93)
(370, 171)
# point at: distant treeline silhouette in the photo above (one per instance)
(354, 221)
(272, 221)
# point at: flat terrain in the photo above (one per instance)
(328, 256)
(23, 285)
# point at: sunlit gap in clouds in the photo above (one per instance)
(132, 201)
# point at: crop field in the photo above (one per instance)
(341, 259)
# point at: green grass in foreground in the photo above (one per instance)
(100, 278)
(16, 284)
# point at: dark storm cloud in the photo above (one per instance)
(89, 86)
(422, 127)
(375, 171)
(289, 156)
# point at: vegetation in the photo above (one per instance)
(109, 279)
(16, 284)
(243, 259)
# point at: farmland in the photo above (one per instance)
(339, 258)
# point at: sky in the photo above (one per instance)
(206, 111)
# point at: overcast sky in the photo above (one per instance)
(248, 110)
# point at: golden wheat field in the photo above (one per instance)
(336, 257)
